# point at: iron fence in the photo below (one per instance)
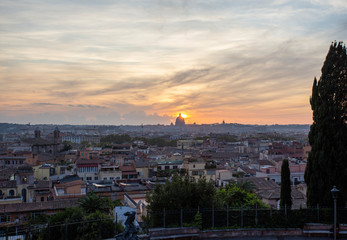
(244, 217)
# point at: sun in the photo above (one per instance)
(183, 115)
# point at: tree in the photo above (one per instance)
(245, 185)
(234, 196)
(182, 193)
(92, 203)
(102, 229)
(116, 139)
(285, 198)
(327, 161)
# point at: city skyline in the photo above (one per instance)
(144, 62)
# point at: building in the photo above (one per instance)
(69, 187)
(110, 173)
(180, 121)
(88, 169)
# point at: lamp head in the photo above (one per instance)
(334, 192)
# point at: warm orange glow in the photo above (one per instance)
(183, 115)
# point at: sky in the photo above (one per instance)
(143, 62)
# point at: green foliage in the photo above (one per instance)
(119, 227)
(202, 138)
(226, 138)
(84, 221)
(327, 163)
(235, 196)
(92, 203)
(105, 228)
(161, 142)
(182, 193)
(245, 185)
(85, 144)
(67, 146)
(116, 139)
(39, 219)
(116, 203)
(238, 174)
(197, 222)
(285, 197)
(56, 224)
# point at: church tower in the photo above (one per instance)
(37, 133)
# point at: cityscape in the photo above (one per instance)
(173, 120)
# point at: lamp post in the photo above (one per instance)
(334, 192)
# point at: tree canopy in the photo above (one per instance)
(92, 203)
(190, 193)
(285, 197)
(88, 221)
(327, 161)
(182, 193)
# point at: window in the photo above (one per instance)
(89, 178)
(167, 167)
(42, 199)
(11, 192)
(96, 178)
(174, 167)
(5, 218)
(24, 180)
(111, 178)
(159, 167)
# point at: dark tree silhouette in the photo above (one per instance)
(327, 161)
(286, 198)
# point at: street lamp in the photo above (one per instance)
(334, 192)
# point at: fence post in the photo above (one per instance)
(317, 211)
(164, 215)
(66, 227)
(270, 211)
(99, 228)
(227, 216)
(147, 222)
(256, 214)
(29, 232)
(83, 227)
(116, 223)
(212, 216)
(6, 233)
(49, 230)
(181, 219)
(241, 216)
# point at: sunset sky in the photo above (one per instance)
(134, 62)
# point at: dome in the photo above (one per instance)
(180, 121)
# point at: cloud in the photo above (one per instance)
(228, 58)
(86, 106)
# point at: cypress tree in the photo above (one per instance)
(286, 197)
(327, 161)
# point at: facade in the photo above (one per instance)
(88, 169)
(11, 161)
(110, 173)
(69, 187)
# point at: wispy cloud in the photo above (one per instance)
(248, 61)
